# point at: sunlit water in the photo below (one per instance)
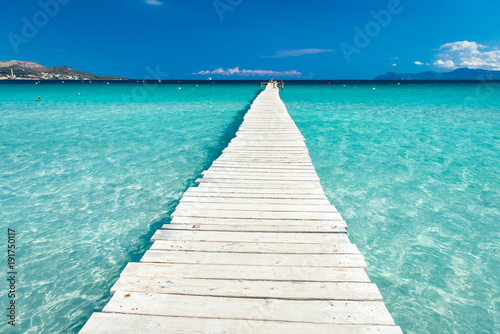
(85, 180)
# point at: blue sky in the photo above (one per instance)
(251, 39)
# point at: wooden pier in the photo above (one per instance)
(255, 248)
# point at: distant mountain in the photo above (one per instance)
(458, 74)
(34, 71)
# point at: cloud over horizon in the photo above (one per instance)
(468, 54)
(249, 73)
(296, 53)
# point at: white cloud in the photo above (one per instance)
(296, 53)
(250, 73)
(395, 58)
(448, 64)
(154, 2)
(394, 64)
(468, 54)
(419, 63)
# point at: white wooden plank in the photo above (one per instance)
(265, 155)
(242, 272)
(255, 178)
(256, 222)
(294, 187)
(251, 159)
(256, 228)
(257, 207)
(260, 171)
(321, 312)
(213, 213)
(106, 323)
(249, 259)
(242, 186)
(266, 150)
(269, 137)
(274, 145)
(250, 289)
(279, 150)
(199, 192)
(309, 238)
(268, 166)
(282, 172)
(221, 199)
(263, 181)
(224, 188)
(255, 247)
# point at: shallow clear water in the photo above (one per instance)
(414, 169)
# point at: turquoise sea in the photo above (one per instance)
(89, 173)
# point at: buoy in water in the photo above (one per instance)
(179, 87)
(329, 84)
(398, 84)
(107, 83)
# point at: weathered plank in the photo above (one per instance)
(230, 193)
(268, 183)
(260, 166)
(277, 260)
(257, 221)
(256, 228)
(309, 238)
(263, 177)
(287, 187)
(242, 272)
(107, 323)
(255, 247)
(258, 207)
(214, 213)
(199, 198)
(320, 312)
(250, 289)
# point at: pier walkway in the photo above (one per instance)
(255, 248)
